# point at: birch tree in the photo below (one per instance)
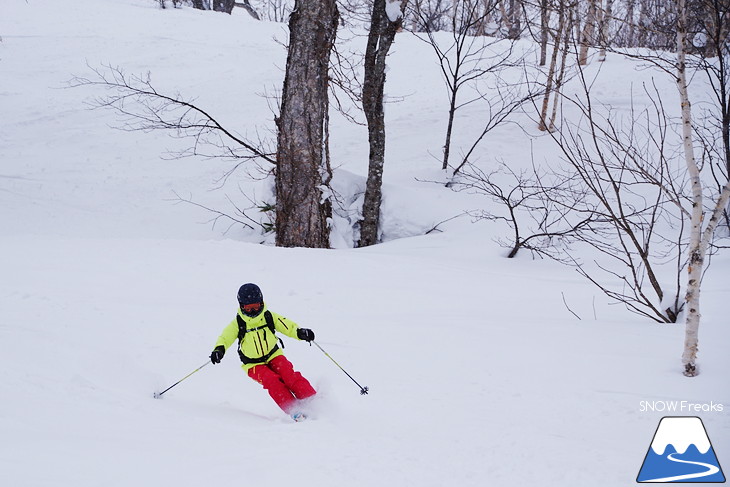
(604, 29)
(631, 36)
(544, 29)
(512, 18)
(557, 68)
(586, 38)
(700, 237)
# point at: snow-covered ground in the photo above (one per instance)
(478, 373)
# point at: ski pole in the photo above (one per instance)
(363, 390)
(158, 395)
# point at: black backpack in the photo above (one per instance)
(242, 332)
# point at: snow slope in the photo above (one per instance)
(478, 373)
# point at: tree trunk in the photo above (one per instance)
(630, 41)
(696, 253)
(450, 119)
(718, 28)
(699, 239)
(561, 74)
(544, 30)
(643, 35)
(586, 38)
(303, 172)
(381, 36)
(506, 18)
(544, 125)
(245, 4)
(604, 30)
(223, 5)
(515, 13)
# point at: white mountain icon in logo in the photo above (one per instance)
(681, 452)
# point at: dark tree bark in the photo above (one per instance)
(303, 171)
(380, 38)
(223, 5)
(245, 4)
(515, 13)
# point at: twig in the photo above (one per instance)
(435, 227)
(568, 307)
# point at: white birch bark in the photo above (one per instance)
(506, 19)
(630, 22)
(586, 38)
(604, 29)
(544, 125)
(699, 238)
(696, 253)
(561, 74)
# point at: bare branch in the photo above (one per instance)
(144, 108)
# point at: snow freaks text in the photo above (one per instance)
(680, 407)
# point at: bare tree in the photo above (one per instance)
(655, 27)
(629, 20)
(215, 5)
(633, 189)
(273, 10)
(467, 59)
(698, 31)
(515, 13)
(564, 29)
(143, 107)
(511, 11)
(700, 237)
(223, 5)
(604, 28)
(560, 78)
(303, 171)
(429, 15)
(544, 29)
(246, 5)
(587, 36)
(536, 206)
(619, 195)
(499, 100)
(386, 19)
(714, 61)
(175, 3)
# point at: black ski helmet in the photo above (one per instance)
(250, 294)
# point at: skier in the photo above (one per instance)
(263, 360)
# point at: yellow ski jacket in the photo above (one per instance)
(258, 343)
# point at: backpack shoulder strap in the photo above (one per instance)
(269, 321)
(242, 324)
(241, 327)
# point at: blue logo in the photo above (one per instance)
(681, 452)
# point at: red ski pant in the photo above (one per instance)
(284, 384)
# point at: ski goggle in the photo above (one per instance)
(252, 307)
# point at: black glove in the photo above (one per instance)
(305, 334)
(217, 354)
